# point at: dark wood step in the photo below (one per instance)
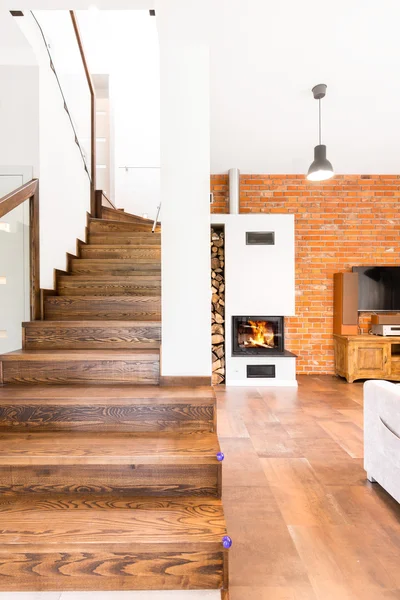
(81, 367)
(91, 334)
(153, 464)
(125, 238)
(118, 308)
(109, 285)
(106, 408)
(111, 543)
(107, 226)
(140, 252)
(86, 266)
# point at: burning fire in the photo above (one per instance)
(262, 334)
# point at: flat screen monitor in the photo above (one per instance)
(378, 288)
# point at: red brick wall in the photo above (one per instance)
(348, 221)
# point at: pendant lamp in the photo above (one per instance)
(320, 169)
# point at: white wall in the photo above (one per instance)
(129, 53)
(259, 281)
(19, 98)
(64, 185)
(266, 57)
(19, 116)
(185, 172)
(14, 47)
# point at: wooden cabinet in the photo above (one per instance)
(367, 357)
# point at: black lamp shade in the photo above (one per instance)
(320, 168)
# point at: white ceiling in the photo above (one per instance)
(268, 54)
(79, 4)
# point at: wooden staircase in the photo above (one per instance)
(107, 480)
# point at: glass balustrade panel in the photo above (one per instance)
(14, 276)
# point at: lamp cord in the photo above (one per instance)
(319, 113)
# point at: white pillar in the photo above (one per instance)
(185, 187)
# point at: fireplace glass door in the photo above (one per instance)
(257, 336)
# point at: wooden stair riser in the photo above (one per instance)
(102, 285)
(108, 226)
(149, 254)
(114, 267)
(134, 409)
(111, 416)
(117, 215)
(126, 308)
(135, 370)
(125, 239)
(78, 335)
(105, 568)
(133, 479)
(132, 226)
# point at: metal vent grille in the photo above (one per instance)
(260, 371)
(260, 238)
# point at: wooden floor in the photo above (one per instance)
(305, 523)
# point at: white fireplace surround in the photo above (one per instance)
(259, 281)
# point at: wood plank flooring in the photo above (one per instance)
(305, 522)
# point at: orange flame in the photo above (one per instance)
(263, 334)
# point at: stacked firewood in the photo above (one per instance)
(218, 306)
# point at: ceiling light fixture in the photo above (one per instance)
(320, 169)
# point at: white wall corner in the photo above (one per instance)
(185, 187)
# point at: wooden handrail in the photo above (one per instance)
(28, 191)
(17, 196)
(92, 115)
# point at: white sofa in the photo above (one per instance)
(382, 435)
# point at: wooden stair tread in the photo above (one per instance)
(94, 448)
(105, 286)
(69, 355)
(67, 301)
(127, 262)
(120, 246)
(99, 520)
(121, 252)
(102, 278)
(125, 238)
(134, 235)
(133, 220)
(99, 394)
(115, 266)
(91, 323)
